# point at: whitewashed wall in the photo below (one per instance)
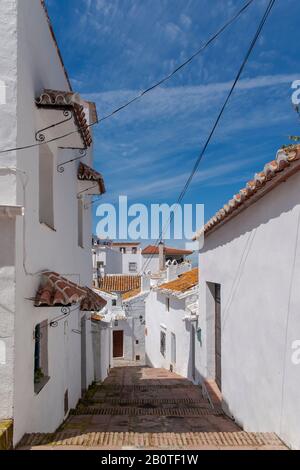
(135, 329)
(150, 263)
(29, 62)
(159, 319)
(102, 347)
(131, 258)
(256, 259)
(8, 136)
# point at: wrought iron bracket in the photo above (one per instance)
(40, 136)
(61, 166)
(65, 312)
(81, 193)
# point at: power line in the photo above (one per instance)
(201, 155)
(147, 90)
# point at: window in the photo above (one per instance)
(46, 209)
(40, 356)
(123, 250)
(100, 264)
(80, 222)
(114, 303)
(134, 251)
(132, 267)
(168, 304)
(163, 343)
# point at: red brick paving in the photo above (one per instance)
(149, 409)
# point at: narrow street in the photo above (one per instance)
(144, 408)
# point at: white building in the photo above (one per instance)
(129, 258)
(46, 356)
(249, 301)
(171, 325)
(128, 315)
(154, 258)
(115, 257)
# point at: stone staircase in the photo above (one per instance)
(163, 412)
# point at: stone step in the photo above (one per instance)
(134, 411)
(151, 402)
(142, 388)
(123, 440)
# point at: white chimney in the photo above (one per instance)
(162, 256)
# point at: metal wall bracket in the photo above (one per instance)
(65, 312)
(61, 166)
(81, 193)
(40, 136)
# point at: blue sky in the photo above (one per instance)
(115, 48)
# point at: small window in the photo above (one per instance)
(40, 356)
(114, 303)
(46, 204)
(100, 264)
(132, 267)
(137, 341)
(163, 343)
(137, 358)
(80, 222)
(168, 304)
(123, 250)
(134, 251)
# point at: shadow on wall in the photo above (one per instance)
(281, 200)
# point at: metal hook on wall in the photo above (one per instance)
(82, 154)
(40, 136)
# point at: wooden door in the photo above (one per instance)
(118, 344)
(218, 342)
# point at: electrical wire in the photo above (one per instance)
(208, 140)
(147, 90)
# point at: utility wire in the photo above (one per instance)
(201, 155)
(143, 93)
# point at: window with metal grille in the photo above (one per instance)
(133, 267)
(163, 343)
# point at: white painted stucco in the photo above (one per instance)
(255, 258)
(102, 347)
(29, 62)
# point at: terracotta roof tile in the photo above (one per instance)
(67, 100)
(92, 302)
(183, 283)
(275, 172)
(86, 173)
(131, 293)
(154, 250)
(119, 283)
(55, 291)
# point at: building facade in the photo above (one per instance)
(171, 325)
(46, 356)
(249, 301)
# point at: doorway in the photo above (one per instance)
(173, 349)
(83, 356)
(118, 344)
(193, 351)
(218, 337)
